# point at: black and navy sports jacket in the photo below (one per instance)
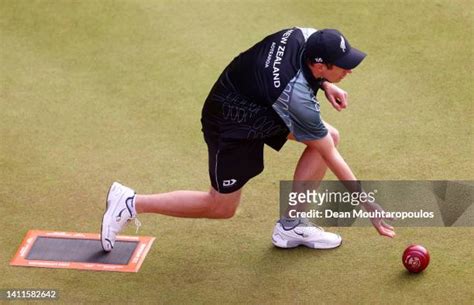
(267, 92)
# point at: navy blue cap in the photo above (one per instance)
(331, 47)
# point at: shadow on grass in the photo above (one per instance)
(299, 249)
(406, 277)
(294, 255)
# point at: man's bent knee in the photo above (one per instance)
(223, 206)
(333, 132)
(335, 136)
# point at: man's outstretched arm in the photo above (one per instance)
(339, 167)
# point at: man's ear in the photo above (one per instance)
(316, 67)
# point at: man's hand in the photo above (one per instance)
(379, 223)
(335, 95)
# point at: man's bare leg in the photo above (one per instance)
(291, 232)
(123, 206)
(191, 204)
(311, 166)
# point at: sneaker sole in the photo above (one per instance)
(103, 220)
(284, 244)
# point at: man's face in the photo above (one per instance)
(334, 74)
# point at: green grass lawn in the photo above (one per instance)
(97, 91)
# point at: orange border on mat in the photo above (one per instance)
(138, 256)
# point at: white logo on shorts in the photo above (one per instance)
(228, 183)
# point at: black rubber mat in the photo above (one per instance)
(80, 250)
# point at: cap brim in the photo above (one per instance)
(350, 60)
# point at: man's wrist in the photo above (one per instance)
(323, 83)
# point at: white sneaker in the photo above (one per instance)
(305, 234)
(120, 209)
